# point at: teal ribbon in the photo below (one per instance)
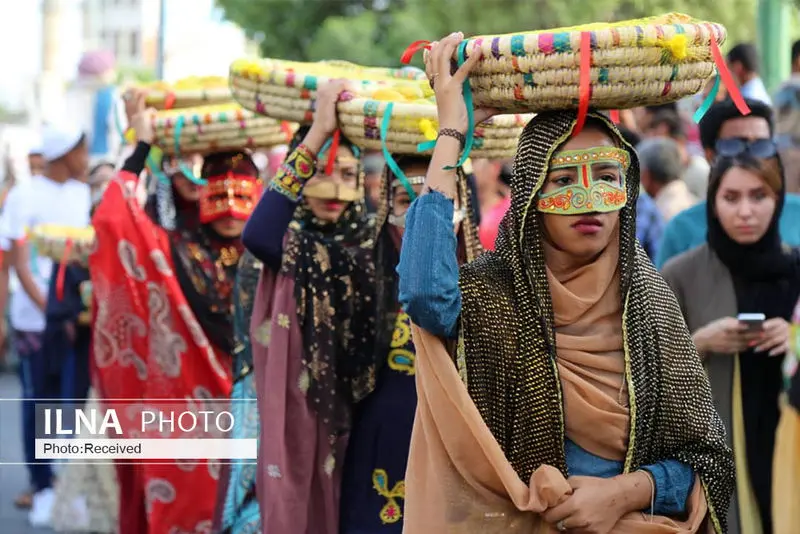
(399, 174)
(467, 91)
(708, 102)
(189, 173)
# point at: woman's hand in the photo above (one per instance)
(451, 108)
(774, 337)
(595, 506)
(725, 336)
(325, 119)
(141, 117)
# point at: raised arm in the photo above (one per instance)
(264, 232)
(428, 268)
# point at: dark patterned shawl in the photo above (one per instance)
(331, 264)
(507, 348)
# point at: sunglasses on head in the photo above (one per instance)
(736, 146)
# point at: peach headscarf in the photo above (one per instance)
(459, 480)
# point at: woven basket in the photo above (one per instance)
(51, 241)
(187, 93)
(285, 90)
(217, 128)
(632, 63)
(413, 124)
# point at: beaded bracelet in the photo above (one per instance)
(455, 134)
(293, 174)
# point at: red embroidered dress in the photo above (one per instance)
(154, 341)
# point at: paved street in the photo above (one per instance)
(13, 478)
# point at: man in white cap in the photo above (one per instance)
(57, 196)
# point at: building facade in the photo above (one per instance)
(127, 28)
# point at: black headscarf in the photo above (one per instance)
(766, 279)
(331, 263)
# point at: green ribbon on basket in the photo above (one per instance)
(467, 91)
(393, 166)
(468, 102)
(189, 173)
(709, 100)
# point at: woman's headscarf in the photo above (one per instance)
(387, 255)
(507, 360)
(766, 279)
(312, 331)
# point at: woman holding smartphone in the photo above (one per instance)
(737, 292)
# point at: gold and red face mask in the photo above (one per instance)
(594, 182)
(229, 195)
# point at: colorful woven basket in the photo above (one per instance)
(285, 90)
(604, 66)
(403, 127)
(63, 244)
(187, 93)
(216, 128)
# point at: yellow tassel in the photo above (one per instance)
(427, 129)
(678, 46)
(130, 136)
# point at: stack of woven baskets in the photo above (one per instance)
(620, 65)
(209, 129)
(187, 93)
(391, 108)
(63, 244)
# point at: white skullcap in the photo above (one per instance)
(58, 141)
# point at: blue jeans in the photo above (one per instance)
(38, 382)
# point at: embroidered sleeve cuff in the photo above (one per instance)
(298, 168)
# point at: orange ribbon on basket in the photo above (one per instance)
(584, 81)
(412, 49)
(169, 100)
(62, 270)
(337, 135)
(727, 78)
(287, 131)
(724, 75)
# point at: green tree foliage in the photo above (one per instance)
(375, 32)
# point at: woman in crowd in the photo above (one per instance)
(561, 402)
(373, 489)
(178, 345)
(742, 268)
(313, 322)
(237, 506)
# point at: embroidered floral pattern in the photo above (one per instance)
(401, 353)
(391, 511)
(283, 320)
(294, 173)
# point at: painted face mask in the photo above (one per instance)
(400, 220)
(326, 189)
(597, 186)
(230, 195)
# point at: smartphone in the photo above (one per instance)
(754, 321)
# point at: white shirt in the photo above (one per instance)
(40, 201)
(755, 90)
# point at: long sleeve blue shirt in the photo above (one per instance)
(429, 293)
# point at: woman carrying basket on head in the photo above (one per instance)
(163, 324)
(553, 381)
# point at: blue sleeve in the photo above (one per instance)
(428, 267)
(264, 231)
(674, 481)
(655, 232)
(669, 246)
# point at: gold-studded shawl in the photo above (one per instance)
(506, 358)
